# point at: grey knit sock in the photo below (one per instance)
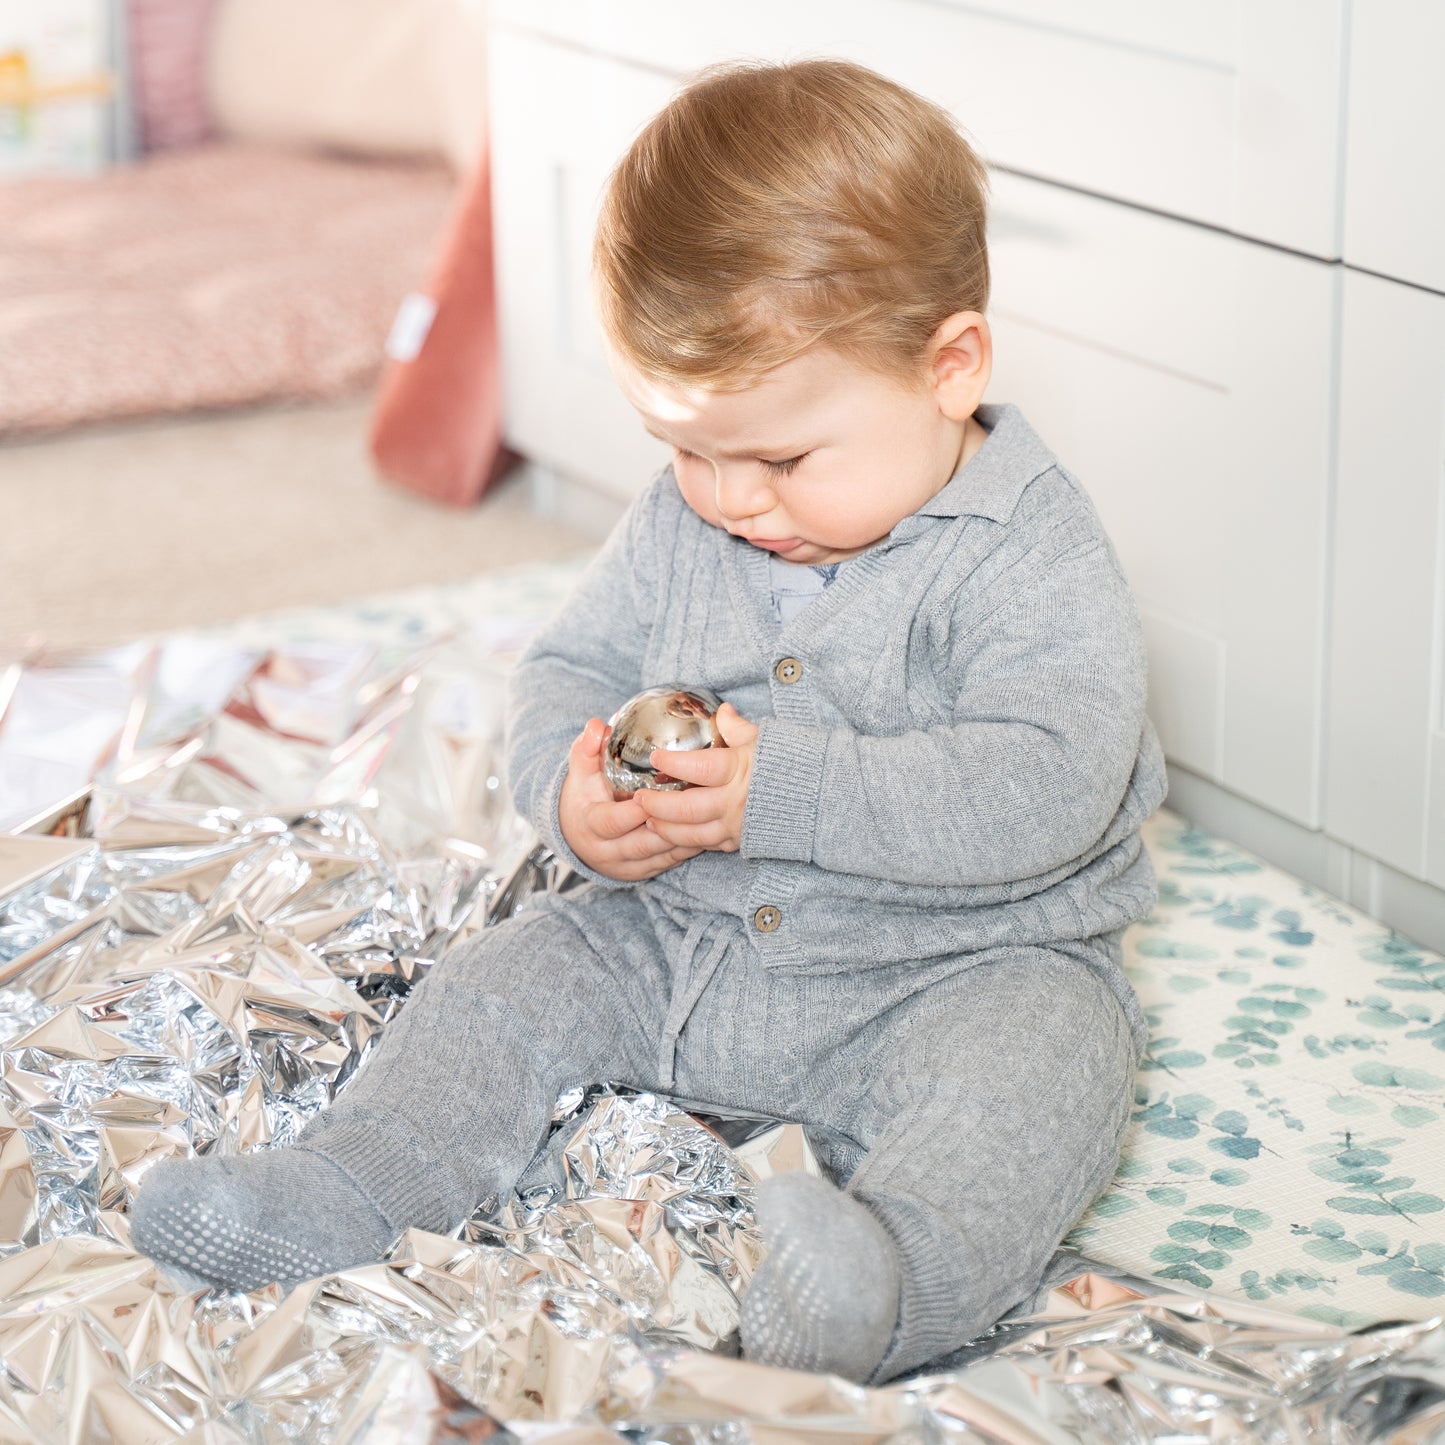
(826, 1295)
(281, 1215)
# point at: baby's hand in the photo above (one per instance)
(709, 814)
(607, 833)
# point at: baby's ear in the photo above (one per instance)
(960, 363)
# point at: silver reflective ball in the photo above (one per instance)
(674, 718)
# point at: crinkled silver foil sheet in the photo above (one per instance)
(224, 873)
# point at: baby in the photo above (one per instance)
(891, 908)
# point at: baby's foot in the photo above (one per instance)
(281, 1215)
(826, 1295)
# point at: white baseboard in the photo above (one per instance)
(1407, 905)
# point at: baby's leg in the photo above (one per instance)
(992, 1122)
(449, 1109)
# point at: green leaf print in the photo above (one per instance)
(1189, 1274)
(1435, 1033)
(1418, 1282)
(1403, 958)
(1230, 1177)
(1210, 854)
(1240, 913)
(1163, 1053)
(1416, 1202)
(1333, 1251)
(1289, 931)
(1412, 1116)
(1383, 1076)
(1187, 1231)
(1166, 1194)
(1236, 1148)
(1421, 1274)
(1264, 1017)
(1179, 1059)
(1156, 946)
(1359, 1164)
(1341, 1044)
(1182, 1119)
(1379, 1013)
(1274, 1107)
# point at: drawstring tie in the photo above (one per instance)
(697, 976)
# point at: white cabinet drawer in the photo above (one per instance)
(1386, 776)
(1184, 377)
(1395, 166)
(560, 121)
(1223, 113)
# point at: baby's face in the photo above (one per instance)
(817, 462)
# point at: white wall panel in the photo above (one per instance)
(1386, 773)
(1184, 377)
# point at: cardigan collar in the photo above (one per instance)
(991, 482)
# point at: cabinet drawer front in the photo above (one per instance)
(1386, 779)
(1183, 376)
(1228, 114)
(1395, 167)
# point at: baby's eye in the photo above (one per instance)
(783, 468)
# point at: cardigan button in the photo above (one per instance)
(789, 669)
(767, 918)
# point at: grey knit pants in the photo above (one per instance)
(987, 1092)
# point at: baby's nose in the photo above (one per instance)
(742, 492)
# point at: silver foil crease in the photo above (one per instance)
(242, 864)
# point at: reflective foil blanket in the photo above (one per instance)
(225, 870)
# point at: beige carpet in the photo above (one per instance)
(114, 533)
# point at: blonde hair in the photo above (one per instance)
(771, 208)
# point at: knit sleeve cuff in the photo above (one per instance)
(553, 838)
(781, 813)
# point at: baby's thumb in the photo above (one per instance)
(587, 747)
(736, 730)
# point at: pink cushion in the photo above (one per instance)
(168, 47)
(437, 423)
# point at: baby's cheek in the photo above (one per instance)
(698, 493)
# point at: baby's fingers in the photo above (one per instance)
(613, 820)
(703, 768)
(712, 834)
(689, 805)
(643, 843)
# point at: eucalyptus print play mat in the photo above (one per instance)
(1288, 1139)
